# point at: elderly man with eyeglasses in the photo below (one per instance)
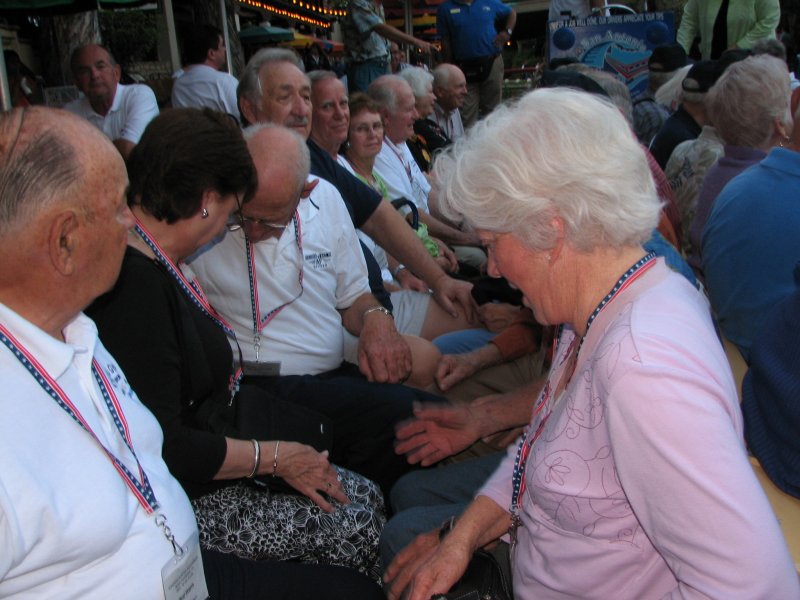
(290, 278)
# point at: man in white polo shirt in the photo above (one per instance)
(88, 508)
(296, 264)
(288, 280)
(204, 83)
(120, 111)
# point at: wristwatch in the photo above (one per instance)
(509, 32)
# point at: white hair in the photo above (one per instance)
(302, 167)
(747, 99)
(384, 91)
(557, 152)
(419, 79)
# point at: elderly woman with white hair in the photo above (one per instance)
(632, 479)
(750, 107)
(428, 136)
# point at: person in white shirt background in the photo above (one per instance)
(205, 81)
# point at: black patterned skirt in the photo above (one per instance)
(261, 524)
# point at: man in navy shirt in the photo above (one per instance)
(471, 41)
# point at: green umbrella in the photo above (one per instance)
(64, 6)
(265, 34)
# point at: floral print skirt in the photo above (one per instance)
(261, 524)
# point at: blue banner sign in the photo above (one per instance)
(619, 44)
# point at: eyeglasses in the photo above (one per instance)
(238, 220)
(365, 128)
(234, 226)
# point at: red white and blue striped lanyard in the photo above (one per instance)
(140, 488)
(193, 291)
(399, 154)
(259, 322)
(547, 394)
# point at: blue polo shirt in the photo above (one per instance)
(751, 244)
(470, 27)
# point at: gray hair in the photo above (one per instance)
(302, 168)
(618, 92)
(747, 98)
(321, 75)
(419, 79)
(38, 168)
(384, 91)
(557, 152)
(250, 82)
(770, 46)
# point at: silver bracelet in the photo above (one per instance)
(382, 309)
(275, 459)
(257, 463)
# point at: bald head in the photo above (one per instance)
(397, 106)
(64, 218)
(449, 86)
(282, 162)
(42, 162)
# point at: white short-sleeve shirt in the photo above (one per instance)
(202, 86)
(133, 108)
(306, 336)
(396, 166)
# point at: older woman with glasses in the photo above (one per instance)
(632, 479)
(189, 174)
(364, 142)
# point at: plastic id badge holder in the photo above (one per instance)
(183, 576)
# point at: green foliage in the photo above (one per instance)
(131, 35)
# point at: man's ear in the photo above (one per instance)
(248, 110)
(62, 241)
(117, 72)
(308, 188)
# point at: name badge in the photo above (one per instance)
(454, 11)
(183, 576)
(262, 369)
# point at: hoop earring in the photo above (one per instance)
(204, 213)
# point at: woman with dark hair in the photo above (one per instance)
(189, 173)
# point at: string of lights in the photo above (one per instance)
(330, 13)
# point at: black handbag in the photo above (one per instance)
(483, 580)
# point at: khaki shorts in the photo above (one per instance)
(410, 309)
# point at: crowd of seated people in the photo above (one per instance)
(278, 384)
